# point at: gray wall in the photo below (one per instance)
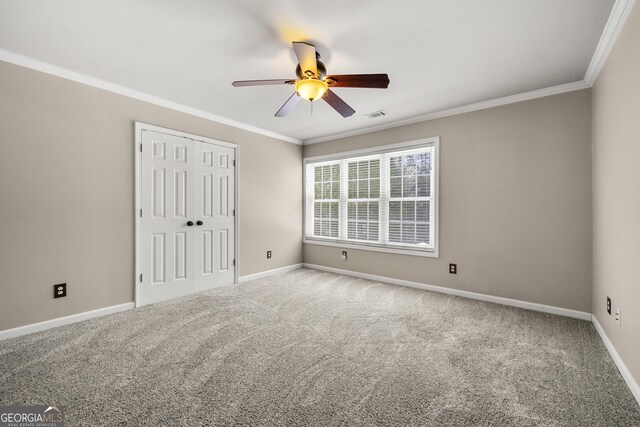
(616, 193)
(66, 194)
(515, 203)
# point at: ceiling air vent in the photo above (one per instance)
(376, 114)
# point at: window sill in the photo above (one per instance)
(430, 253)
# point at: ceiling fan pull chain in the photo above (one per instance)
(311, 114)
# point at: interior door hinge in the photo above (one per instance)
(141, 148)
(234, 212)
(234, 162)
(140, 213)
(234, 262)
(140, 278)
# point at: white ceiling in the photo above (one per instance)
(438, 54)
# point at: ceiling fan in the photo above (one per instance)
(313, 83)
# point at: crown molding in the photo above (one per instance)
(619, 14)
(34, 64)
(511, 99)
(617, 18)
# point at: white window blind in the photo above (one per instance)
(384, 200)
(410, 198)
(363, 204)
(326, 200)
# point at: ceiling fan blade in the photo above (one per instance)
(338, 104)
(239, 83)
(376, 81)
(306, 54)
(288, 106)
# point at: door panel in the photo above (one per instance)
(180, 193)
(215, 200)
(158, 258)
(180, 257)
(158, 192)
(224, 250)
(224, 196)
(207, 195)
(207, 252)
(166, 241)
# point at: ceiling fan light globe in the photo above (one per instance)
(311, 89)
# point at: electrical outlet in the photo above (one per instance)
(453, 268)
(609, 306)
(60, 290)
(344, 255)
(268, 254)
(618, 317)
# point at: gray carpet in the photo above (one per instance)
(314, 348)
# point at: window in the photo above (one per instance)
(383, 199)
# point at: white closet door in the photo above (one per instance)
(215, 210)
(167, 198)
(186, 233)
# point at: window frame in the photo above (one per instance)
(342, 242)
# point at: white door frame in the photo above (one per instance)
(139, 127)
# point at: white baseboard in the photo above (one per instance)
(624, 371)
(269, 272)
(567, 312)
(60, 321)
(465, 294)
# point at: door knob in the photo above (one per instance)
(189, 223)
(199, 222)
